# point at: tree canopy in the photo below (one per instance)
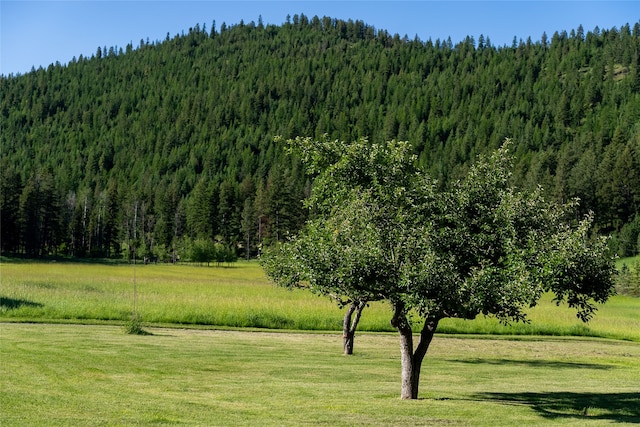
(381, 229)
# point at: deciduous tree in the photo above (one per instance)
(382, 231)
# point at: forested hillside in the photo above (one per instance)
(169, 143)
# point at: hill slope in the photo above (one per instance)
(175, 138)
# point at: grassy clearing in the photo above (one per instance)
(98, 376)
(241, 296)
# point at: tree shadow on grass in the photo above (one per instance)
(534, 363)
(616, 407)
(12, 304)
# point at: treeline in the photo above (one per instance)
(216, 221)
(168, 143)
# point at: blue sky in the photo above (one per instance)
(38, 33)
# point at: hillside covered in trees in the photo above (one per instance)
(170, 144)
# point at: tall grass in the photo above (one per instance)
(238, 296)
(619, 318)
(241, 296)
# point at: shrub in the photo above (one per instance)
(628, 281)
(134, 326)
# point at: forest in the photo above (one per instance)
(167, 148)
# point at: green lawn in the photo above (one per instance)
(78, 375)
(241, 296)
(93, 374)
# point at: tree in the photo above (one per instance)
(342, 257)
(10, 191)
(227, 212)
(203, 250)
(167, 200)
(111, 230)
(282, 203)
(382, 231)
(202, 211)
(346, 271)
(39, 214)
(248, 225)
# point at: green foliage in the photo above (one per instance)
(135, 326)
(180, 126)
(345, 254)
(202, 251)
(626, 243)
(206, 251)
(381, 231)
(628, 280)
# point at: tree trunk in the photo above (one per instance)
(350, 323)
(412, 360)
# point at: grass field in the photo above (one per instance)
(78, 375)
(93, 374)
(241, 296)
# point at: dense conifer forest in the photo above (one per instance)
(168, 146)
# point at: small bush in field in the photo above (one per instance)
(134, 326)
(628, 280)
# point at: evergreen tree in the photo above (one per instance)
(10, 191)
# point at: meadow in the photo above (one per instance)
(227, 347)
(240, 296)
